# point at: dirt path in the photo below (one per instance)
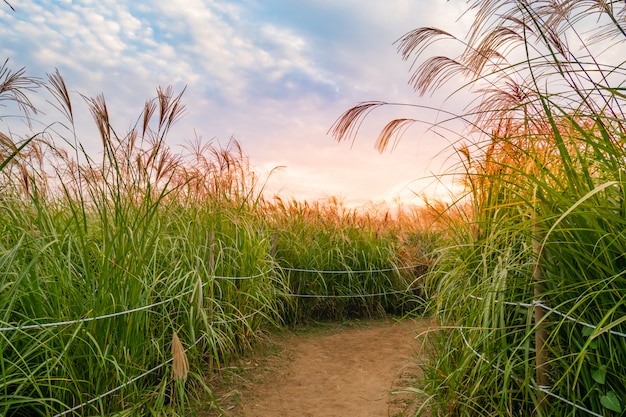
(339, 372)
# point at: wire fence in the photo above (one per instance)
(339, 296)
(88, 319)
(97, 398)
(541, 304)
(533, 304)
(146, 373)
(349, 271)
(219, 277)
(544, 389)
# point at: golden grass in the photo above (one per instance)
(180, 365)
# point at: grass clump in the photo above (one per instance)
(127, 277)
(530, 287)
(340, 262)
(127, 255)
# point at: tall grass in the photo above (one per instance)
(141, 226)
(341, 262)
(127, 277)
(543, 167)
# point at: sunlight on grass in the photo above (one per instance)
(130, 276)
(531, 282)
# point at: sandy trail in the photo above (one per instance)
(338, 372)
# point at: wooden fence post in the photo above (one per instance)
(541, 332)
(210, 239)
(211, 253)
(274, 247)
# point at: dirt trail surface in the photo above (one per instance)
(345, 371)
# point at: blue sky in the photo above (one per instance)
(273, 74)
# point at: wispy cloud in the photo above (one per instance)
(273, 73)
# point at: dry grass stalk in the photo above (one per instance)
(15, 85)
(180, 365)
(198, 294)
(58, 89)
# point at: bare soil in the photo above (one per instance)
(357, 369)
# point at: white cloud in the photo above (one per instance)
(276, 83)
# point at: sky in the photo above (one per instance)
(274, 74)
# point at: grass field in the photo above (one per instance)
(128, 277)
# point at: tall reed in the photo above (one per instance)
(87, 237)
(542, 165)
(129, 276)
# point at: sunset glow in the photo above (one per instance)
(274, 75)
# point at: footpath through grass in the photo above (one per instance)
(348, 368)
(128, 276)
